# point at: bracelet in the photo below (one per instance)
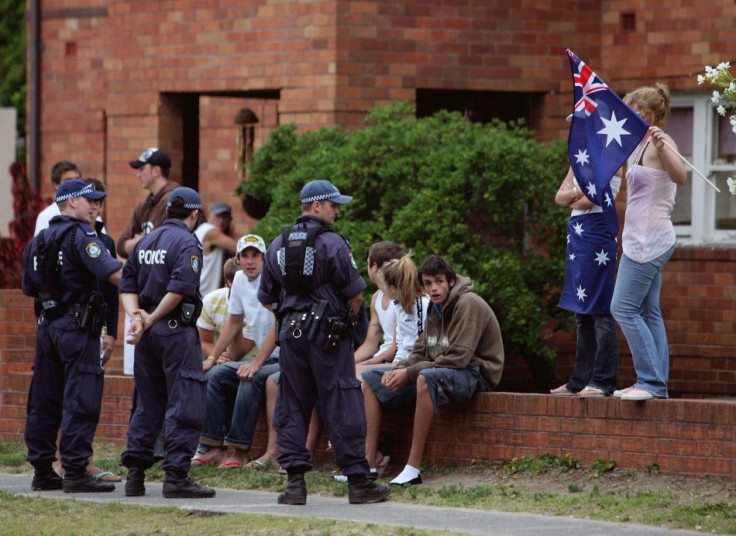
(138, 318)
(211, 358)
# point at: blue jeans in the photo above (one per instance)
(234, 405)
(596, 356)
(635, 306)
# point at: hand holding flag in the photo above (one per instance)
(603, 133)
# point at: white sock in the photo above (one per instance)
(408, 474)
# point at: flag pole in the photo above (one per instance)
(691, 166)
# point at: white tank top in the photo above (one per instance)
(648, 230)
(387, 320)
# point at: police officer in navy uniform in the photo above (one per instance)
(64, 268)
(160, 292)
(312, 283)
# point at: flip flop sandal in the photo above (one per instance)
(107, 476)
(230, 464)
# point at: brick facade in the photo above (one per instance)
(121, 76)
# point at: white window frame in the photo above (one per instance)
(702, 229)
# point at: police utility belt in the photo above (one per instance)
(308, 323)
(87, 315)
(184, 314)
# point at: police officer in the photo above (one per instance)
(311, 277)
(160, 292)
(64, 267)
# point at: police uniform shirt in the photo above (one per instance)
(333, 263)
(85, 261)
(168, 259)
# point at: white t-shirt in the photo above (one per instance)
(407, 327)
(210, 278)
(387, 320)
(244, 301)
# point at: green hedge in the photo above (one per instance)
(481, 195)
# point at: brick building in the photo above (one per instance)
(116, 76)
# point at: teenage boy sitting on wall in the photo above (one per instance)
(459, 354)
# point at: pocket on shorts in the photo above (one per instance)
(350, 409)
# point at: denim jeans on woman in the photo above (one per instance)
(635, 306)
(596, 356)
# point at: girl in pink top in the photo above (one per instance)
(648, 243)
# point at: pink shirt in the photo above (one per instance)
(648, 230)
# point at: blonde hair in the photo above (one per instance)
(653, 100)
(230, 268)
(402, 274)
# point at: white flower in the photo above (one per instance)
(731, 185)
(716, 98)
(701, 79)
(723, 66)
(721, 110)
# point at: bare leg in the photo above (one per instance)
(373, 417)
(315, 430)
(272, 449)
(423, 415)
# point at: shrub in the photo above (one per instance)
(481, 195)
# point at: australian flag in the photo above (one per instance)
(603, 133)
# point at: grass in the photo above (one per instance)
(546, 484)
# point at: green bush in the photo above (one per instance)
(480, 195)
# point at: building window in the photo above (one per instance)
(701, 214)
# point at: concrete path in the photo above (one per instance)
(456, 520)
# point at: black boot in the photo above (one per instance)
(362, 490)
(134, 484)
(296, 490)
(80, 481)
(46, 479)
(178, 485)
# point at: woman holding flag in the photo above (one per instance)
(648, 243)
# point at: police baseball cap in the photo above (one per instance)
(190, 197)
(153, 156)
(219, 208)
(322, 191)
(250, 241)
(77, 188)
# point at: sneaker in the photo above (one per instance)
(178, 485)
(46, 480)
(76, 481)
(621, 392)
(365, 490)
(637, 394)
(592, 392)
(562, 390)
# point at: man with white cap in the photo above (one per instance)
(64, 268)
(244, 380)
(310, 278)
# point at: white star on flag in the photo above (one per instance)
(572, 256)
(579, 229)
(613, 129)
(607, 199)
(582, 157)
(602, 257)
(581, 293)
(592, 192)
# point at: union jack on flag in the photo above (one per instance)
(603, 133)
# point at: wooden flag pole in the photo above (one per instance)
(691, 166)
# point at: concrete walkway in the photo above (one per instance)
(456, 520)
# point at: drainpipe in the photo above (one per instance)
(33, 129)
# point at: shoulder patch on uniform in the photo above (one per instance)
(352, 260)
(194, 261)
(93, 250)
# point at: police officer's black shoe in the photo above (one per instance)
(80, 481)
(46, 479)
(134, 484)
(362, 490)
(178, 485)
(296, 490)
